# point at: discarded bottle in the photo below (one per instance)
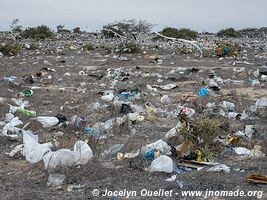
(25, 112)
(25, 93)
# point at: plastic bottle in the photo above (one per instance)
(25, 112)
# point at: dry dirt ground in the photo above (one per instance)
(21, 180)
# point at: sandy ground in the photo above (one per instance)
(21, 180)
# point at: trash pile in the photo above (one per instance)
(155, 113)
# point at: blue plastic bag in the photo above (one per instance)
(203, 92)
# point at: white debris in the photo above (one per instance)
(220, 168)
(17, 149)
(108, 96)
(174, 131)
(241, 151)
(81, 154)
(33, 150)
(162, 164)
(47, 121)
(161, 146)
(167, 87)
(172, 179)
(262, 102)
(165, 100)
(13, 123)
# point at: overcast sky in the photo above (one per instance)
(91, 15)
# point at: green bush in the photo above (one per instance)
(77, 30)
(228, 32)
(15, 27)
(88, 47)
(33, 46)
(127, 27)
(39, 32)
(128, 47)
(183, 33)
(10, 49)
(203, 127)
(61, 29)
(107, 49)
(170, 32)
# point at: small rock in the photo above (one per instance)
(2, 101)
(165, 100)
(27, 46)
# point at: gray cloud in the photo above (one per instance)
(201, 15)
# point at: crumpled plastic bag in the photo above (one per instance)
(33, 150)
(161, 146)
(162, 164)
(47, 121)
(81, 154)
(14, 122)
(108, 96)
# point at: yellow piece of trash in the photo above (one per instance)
(232, 140)
(151, 112)
(120, 156)
(199, 156)
(157, 154)
(150, 109)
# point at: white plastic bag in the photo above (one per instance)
(47, 121)
(64, 157)
(174, 131)
(262, 102)
(108, 96)
(14, 122)
(161, 146)
(162, 164)
(85, 152)
(33, 150)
